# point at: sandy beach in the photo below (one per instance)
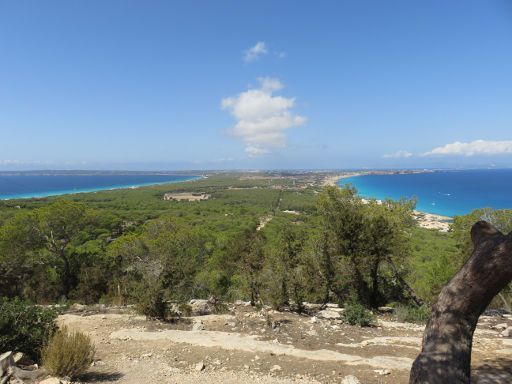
(432, 221)
(332, 180)
(424, 219)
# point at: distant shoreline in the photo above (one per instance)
(333, 180)
(424, 219)
(42, 195)
(85, 172)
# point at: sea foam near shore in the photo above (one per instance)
(39, 186)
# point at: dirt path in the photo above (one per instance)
(237, 342)
(245, 347)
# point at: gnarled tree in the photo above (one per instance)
(447, 341)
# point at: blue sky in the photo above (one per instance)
(263, 84)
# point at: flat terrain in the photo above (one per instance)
(250, 346)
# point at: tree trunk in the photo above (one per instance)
(374, 294)
(67, 273)
(406, 287)
(362, 289)
(327, 270)
(447, 341)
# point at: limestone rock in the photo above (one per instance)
(77, 307)
(54, 380)
(382, 372)
(15, 380)
(507, 332)
(350, 380)
(312, 306)
(6, 363)
(275, 368)
(329, 314)
(200, 366)
(198, 325)
(29, 374)
(501, 327)
(200, 307)
(21, 359)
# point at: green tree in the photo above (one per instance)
(249, 247)
(49, 246)
(163, 256)
(18, 259)
(61, 227)
(284, 272)
(363, 245)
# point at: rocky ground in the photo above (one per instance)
(250, 346)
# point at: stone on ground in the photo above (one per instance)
(350, 379)
(200, 366)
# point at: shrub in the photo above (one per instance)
(357, 314)
(25, 327)
(220, 308)
(151, 304)
(185, 309)
(410, 314)
(68, 353)
(93, 283)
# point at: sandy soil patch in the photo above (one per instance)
(250, 346)
(186, 196)
(432, 221)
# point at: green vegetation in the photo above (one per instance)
(151, 303)
(361, 246)
(412, 314)
(68, 353)
(24, 327)
(434, 259)
(357, 314)
(317, 245)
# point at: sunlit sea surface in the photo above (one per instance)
(27, 186)
(447, 193)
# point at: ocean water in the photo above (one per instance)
(28, 186)
(448, 193)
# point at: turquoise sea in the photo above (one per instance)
(21, 186)
(447, 193)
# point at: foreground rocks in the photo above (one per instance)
(245, 345)
(17, 367)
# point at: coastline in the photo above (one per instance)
(333, 180)
(426, 220)
(43, 195)
(433, 221)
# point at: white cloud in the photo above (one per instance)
(10, 162)
(477, 147)
(398, 154)
(262, 118)
(22, 162)
(255, 52)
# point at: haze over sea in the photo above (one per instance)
(28, 186)
(447, 193)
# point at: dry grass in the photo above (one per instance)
(68, 353)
